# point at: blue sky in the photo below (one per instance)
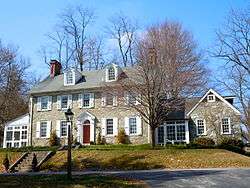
(24, 23)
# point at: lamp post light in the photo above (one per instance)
(69, 117)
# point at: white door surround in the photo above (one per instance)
(80, 122)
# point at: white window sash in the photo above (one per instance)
(229, 126)
(204, 125)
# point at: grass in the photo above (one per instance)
(60, 181)
(125, 157)
(13, 156)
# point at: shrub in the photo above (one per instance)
(34, 162)
(121, 137)
(229, 141)
(99, 138)
(53, 140)
(6, 163)
(203, 142)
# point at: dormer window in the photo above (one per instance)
(211, 98)
(111, 74)
(71, 77)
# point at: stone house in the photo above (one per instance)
(97, 110)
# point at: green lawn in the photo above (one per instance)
(142, 157)
(60, 181)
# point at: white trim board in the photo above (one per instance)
(218, 96)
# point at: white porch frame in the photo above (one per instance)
(79, 123)
(187, 139)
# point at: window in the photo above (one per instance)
(132, 125)
(110, 123)
(211, 98)
(64, 102)
(43, 129)
(69, 78)
(9, 135)
(86, 99)
(225, 125)
(170, 132)
(8, 144)
(44, 103)
(24, 134)
(16, 144)
(63, 128)
(200, 127)
(181, 132)
(131, 99)
(109, 99)
(23, 144)
(160, 134)
(111, 73)
(17, 135)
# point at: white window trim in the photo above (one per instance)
(66, 75)
(12, 141)
(39, 103)
(127, 95)
(60, 136)
(69, 102)
(133, 134)
(104, 127)
(229, 124)
(104, 99)
(91, 100)
(205, 127)
(214, 98)
(107, 73)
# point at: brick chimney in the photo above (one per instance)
(55, 68)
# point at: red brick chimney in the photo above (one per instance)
(55, 68)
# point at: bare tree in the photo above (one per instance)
(95, 54)
(13, 85)
(123, 31)
(234, 48)
(75, 22)
(168, 70)
(233, 40)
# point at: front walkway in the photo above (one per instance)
(217, 177)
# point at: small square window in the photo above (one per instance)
(211, 98)
(24, 134)
(23, 144)
(8, 144)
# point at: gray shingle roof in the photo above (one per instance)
(91, 79)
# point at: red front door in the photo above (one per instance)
(86, 133)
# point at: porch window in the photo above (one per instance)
(170, 132)
(8, 145)
(110, 123)
(200, 127)
(43, 129)
(16, 144)
(17, 135)
(225, 126)
(181, 132)
(9, 135)
(63, 128)
(160, 134)
(24, 134)
(132, 125)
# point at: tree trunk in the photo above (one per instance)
(152, 137)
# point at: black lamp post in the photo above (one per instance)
(69, 117)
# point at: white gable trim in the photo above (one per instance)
(218, 96)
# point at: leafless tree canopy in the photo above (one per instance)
(233, 40)
(123, 31)
(234, 48)
(168, 69)
(13, 85)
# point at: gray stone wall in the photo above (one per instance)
(212, 113)
(120, 111)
